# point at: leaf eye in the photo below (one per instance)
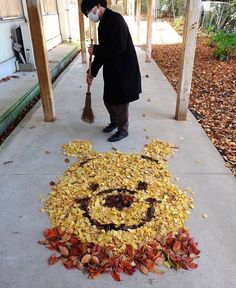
(94, 186)
(142, 185)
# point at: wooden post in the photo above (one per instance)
(138, 16)
(94, 33)
(68, 20)
(109, 3)
(41, 59)
(125, 4)
(192, 13)
(149, 33)
(82, 33)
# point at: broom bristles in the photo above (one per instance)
(87, 115)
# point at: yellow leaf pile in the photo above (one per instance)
(158, 206)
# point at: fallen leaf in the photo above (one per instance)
(53, 259)
(115, 276)
(159, 272)
(86, 259)
(63, 250)
(177, 246)
(7, 162)
(143, 269)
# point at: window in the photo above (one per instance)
(49, 7)
(11, 9)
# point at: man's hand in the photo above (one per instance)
(90, 50)
(89, 79)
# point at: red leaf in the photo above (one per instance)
(94, 275)
(63, 250)
(74, 240)
(51, 247)
(150, 266)
(196, 251)
(184, 266)
(177, 246)
(174, 258)
(69, 265)
(192, 265)
(130, 250)
(50, 233)
(127, 268)
(127, 265)
(53, 259)
(115, 276)
(74, 251)
(188, 260)
(143, 269)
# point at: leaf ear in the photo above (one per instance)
(78, 148)
(158, 150)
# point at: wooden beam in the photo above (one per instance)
(82, 33)
(41, 58)
(94, 33)
(68, 20)
(109, 3)
(149, 32)
(192, 13)
(138, 17)
(125, 4)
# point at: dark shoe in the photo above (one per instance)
(118, 136)
(109, 128)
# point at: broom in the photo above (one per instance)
(87, 115)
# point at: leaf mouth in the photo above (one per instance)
(122, 199)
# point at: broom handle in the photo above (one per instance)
(90, 65)
(90, 56)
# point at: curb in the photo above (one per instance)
(13, 112)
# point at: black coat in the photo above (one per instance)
(122, 80)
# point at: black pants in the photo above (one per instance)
(119, 115)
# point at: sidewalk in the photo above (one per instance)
(26, 170)
(17, 92)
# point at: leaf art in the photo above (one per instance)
(115, 212)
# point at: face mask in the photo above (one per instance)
(94, 17)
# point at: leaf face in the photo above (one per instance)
(117, 212)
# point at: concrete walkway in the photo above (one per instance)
(26, 170)
(14, 88)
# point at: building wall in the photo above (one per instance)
(7, 58)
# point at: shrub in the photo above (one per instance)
(224, 43)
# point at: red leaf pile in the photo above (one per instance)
(174, 251)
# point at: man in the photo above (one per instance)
(116, 53)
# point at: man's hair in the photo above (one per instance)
(87, 5)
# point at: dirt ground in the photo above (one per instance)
(213, 93)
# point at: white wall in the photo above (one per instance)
(52, 30)
(7, 59)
